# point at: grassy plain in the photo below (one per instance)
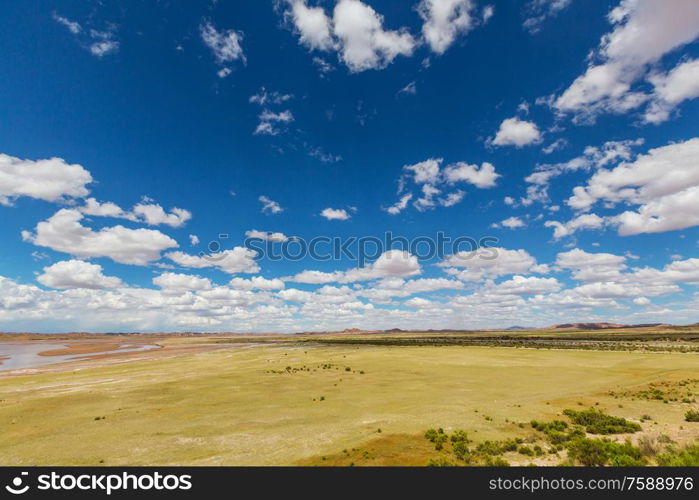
(310, 403)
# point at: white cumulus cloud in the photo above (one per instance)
(444, 21)
(70, 274)
(517, 132)
(51, 180)
(64, 232)
(335, 214)
(233, 261)
(644, 31)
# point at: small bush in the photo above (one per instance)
(439, 462)
(598, 452)
(526, 450)
(597, 422)
(438, 437)
(557, 431)
(461, 450)
(431, 435)
(687, 457)
(556, 425)
(493, 448)
(459, 436)
(496, 462)
(692, 416)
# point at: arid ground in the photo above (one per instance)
(350, 399)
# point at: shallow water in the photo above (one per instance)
(27, 355)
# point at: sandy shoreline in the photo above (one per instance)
(76, 347)
(103, 352)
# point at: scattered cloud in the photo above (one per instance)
(257, 283)
(592, 157)
(559, 143)
(233, 261)
(145, 212)
(266, 235)
(178, 283)
(265, 98)
(63, 232)
(270, 206)
(335, 214)
(69, 274)
(51, 180)
(355, 32)
(324, 67)
(313, 26)
(225, 45)
(664, 184)
(591, 267)
(400, 205)
(584, 221)
(363, 41)
(671, 89)
(153, 215)
(487, 13)
(516, 132)
(490, 263)
(72, 26)
(409, 89)
(434, 181)
(538, 11)
(321, 155)
(510, 223)
(103, 43)
(482, 177)
(521, 285)
(270, 122)
(98, 42)
(391, 264)
(643, 32)
(446, 20)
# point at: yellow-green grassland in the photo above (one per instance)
(312, 401)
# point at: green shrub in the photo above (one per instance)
(526, 450)
(692, 416)
(458, 436)
(493, 448)
(557, 431)
(461, 450)
(597, 422)
(496, 462)
(687, 457)
(439, 462)
(625, 461)
(598, 452)
(556, 425)
(438, 437)
(431, 435)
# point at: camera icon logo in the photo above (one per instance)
(16, 487)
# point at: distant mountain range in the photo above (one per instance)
(604, 326)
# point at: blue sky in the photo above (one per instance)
(133, 134)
